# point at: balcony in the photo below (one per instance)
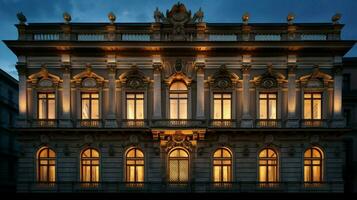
(44, 123)
(121, 187)
(314, 123)
(178, 123)
(89, 123)
(223, 123)
(134, 123)
(268, 123)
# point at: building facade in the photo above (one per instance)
(8, 146)
(180, 105)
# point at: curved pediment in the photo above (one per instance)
(178, 76)
(87, 78)
(134, 78)
(44, 79)
(269, 79)
(316, 79)
(223, 78)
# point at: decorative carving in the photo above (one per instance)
(336, 18)
(45, 83)
(223, 78)
(245, 18)
(178, 65)
(314, 139)
(88, 139)
(88, 73)
(43, 78)
(133, 139)
(269, 79)
(111, 17)
(89, 82)
(178, 139)
(135, 79)
(290, 18)
(178, 16)
(315, 79)
(67, 17)
(21, 17)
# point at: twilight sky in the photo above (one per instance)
(142, 11)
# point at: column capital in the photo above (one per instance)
(292, 68)
(157, 67)
(112, 67)
(200, 67)
(246, 68)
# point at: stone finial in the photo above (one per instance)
(67, 17)
(21, 17)
(290, 18)
(245, 18)
(112, 17)
(335, 19)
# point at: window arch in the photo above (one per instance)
(134, 165)
(90, 165)
(222, 165)
(178, 164)
(178, 100)
(313, 165)
(268, 166)
(46, 162)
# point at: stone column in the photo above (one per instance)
(292, 121)
(200, 104)
(157, 91)
(22, 118)
(246, 121)
(338, 120)
(110, 122)
(65, 120)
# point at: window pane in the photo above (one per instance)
(85, 95)
(263, 109)
(131, 96)
(307, 109)
(52, 174)
(183, 170)
(85, 109)
(217, 96)
(227, 96)
(95, 109)
(217, 109)
(272, 173)
(227, 109)
(307, 95)
(317, 95)
(95, 95)
(130, 110)
(262, 174)
(316, 173)
(216, 174)
(173, 109)
(42, 112)
(139, 109)
(183, 109)
(262, 95)
(51, 109)
(272, 109)
(316, 153)
(317, 109)
(140, 173)
(307, 174)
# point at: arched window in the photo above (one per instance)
(135, 165)
(222, 165)
(178, 166)
(46, 159)
(268, 166)
(313, 159)
(178, 100)
(90, 165)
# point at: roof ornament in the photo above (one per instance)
(67, 17)
(245, 18)
(290, 18)
(21, 17)
(198, 16)
(159, 16)
(111, 17)
(335, 19)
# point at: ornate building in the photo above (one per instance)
(180, 105)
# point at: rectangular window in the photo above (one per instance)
(90, 105)
(222, 106)
(267, 106)
(312, 105)
(178, 106)
(46, 106)
(135, 106)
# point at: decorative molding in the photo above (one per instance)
(43, 78)
(178, 139)
(88, 73)
(134, 78)
(315, 79)
(269, 79)
(223, 78)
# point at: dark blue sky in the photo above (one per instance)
(142, 11)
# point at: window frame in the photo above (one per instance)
(221, 104)
(277, 169)
(221, 165)
(177, 100)
(311, 103)
(91, 158)
(90, 104)
(267, 104)
(135, 165)
(182, 158)
(48, 165)
(135, 100)
(47, 104)
(321, 165)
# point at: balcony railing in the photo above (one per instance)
(89, 123)
(223, 123)
(179, 123)
(44, 123)
(134, 123)
(268, 123)
(314, 123)
(180, 187)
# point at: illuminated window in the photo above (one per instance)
(313, 159)
(267, 106)
(222, 106)
(312, 105)
(90, 105)
(222, 166)
(46, 159)
(268, 166)
(135, 106)
(178, 166)
(178, 100)
(135, 165)
(46, 106)
(90, 165)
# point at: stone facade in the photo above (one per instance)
(242, 60)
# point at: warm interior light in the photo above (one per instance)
(246, 59)
(156, 59)
(65, 58)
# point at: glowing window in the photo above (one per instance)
(46, 106)
(90, 165)
(312, 105)
(178, 100)
(90, 105)
(267, 106)
(135, 165)
(135, 106)
(268, 166)
(46, 162)
(222, 106)
(222, 166)
(178, 165)
(313, 159)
